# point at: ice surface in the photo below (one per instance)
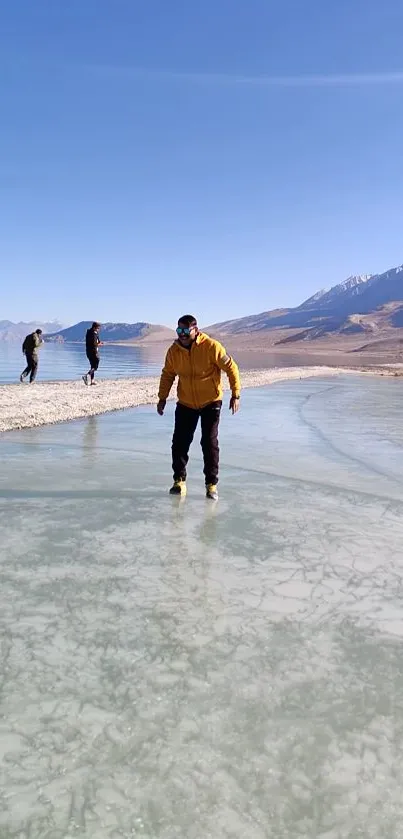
(196, 670)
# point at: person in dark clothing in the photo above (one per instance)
(30, 348)
(92, 343)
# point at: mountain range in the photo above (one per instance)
(366, 303)
(54, 331)
(367, 306)
(10, 332)
(113, 332)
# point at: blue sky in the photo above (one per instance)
(221, 157)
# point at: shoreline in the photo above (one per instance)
(48, 403)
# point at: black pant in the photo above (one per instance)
(32, 366)
(94, 364)
(186, 420)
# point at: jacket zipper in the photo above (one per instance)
(192, 375)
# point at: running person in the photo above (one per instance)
(92, 342)
(30, 348)
(198, 361)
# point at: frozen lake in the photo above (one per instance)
(197, 671)
(68, 361)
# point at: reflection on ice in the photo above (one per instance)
(190, 670)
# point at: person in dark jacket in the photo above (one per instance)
(92, 343)
(30, 348)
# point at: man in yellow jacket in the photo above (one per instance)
(197, 360)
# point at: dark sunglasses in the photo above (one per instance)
(184, 330)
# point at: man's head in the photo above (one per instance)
(187, 330)
(38, 331)
(96, 326)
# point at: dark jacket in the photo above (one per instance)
(31, 343)
(91, 343)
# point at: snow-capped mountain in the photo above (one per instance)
(315, 297)
(324, 298)
(358, 294)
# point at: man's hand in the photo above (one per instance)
(161, 407)
(234, 404)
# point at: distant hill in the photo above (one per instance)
(10, 332)
(113, 332)
(364, 303)
(390, 346)
(251, 323)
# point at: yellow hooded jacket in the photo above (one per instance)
(199, 371)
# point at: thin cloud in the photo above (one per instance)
(320, 80)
